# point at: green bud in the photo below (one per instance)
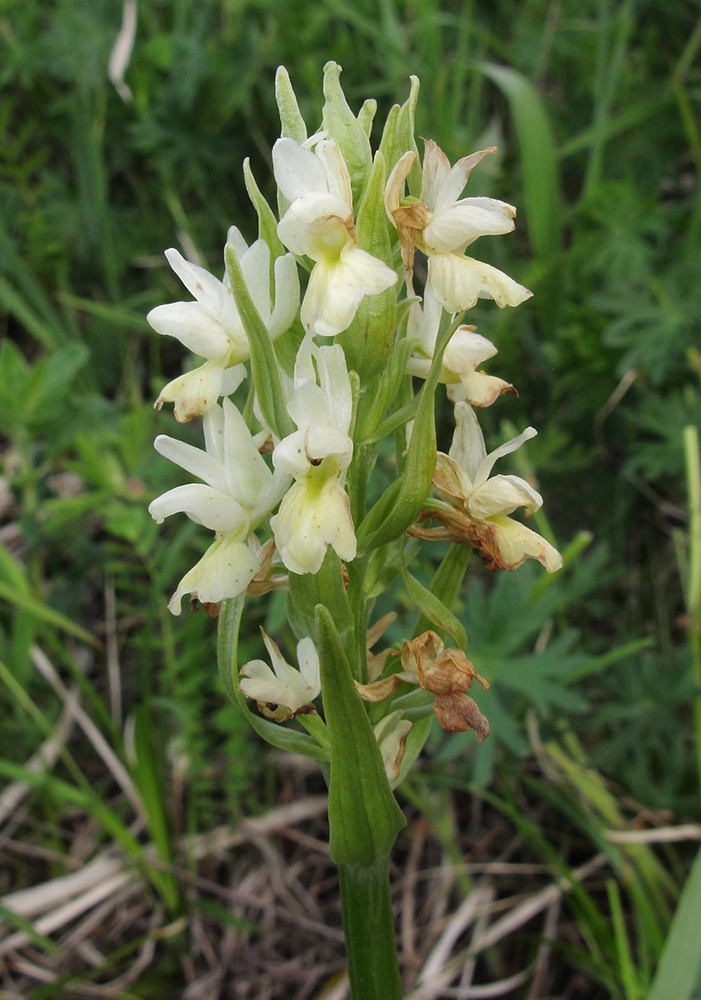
(398, 137)
(366, 115)
(347, 130)
(369, 339)
(292, 124)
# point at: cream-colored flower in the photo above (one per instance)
(237, 493)
(319, 224)
(315, 512)
(443, 225)
(211, 326)
(477, 504)
(283, 692)
(465, 351)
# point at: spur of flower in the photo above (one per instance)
(319, 224)
(476, 505)
(237, 493)
(446, 673)
(211, 326)
(443, 225)
(283, 692)
(315, 512)
(465, 351)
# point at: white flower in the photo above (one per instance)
(315, 513)
(211, 327)
(319, 224)
(479, 504)
(287, 689)
(239, 491)
(465, 351)
(442, 225)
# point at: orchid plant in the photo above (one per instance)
(334, 364)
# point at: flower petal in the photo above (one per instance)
(195, 392)
(193, 460)
(194, 326)
(506, 544)
(286, 296)
(207, 289)
(467, 349)
(482, 389)
(203, 505)
(298, 171)
(450, 186)
(467, 448)
(502, 495)
(225, 570)
(462, 223)
(487, 463)
(459, 282)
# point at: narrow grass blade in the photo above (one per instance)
(46, 614)
(541, 182)
(679, 973)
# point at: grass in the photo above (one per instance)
(119, 748)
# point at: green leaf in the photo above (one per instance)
(266, 374)
(364, 816)
(446, 582)
(325, 587)
(433, 608)
(267, 223)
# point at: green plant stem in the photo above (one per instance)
(693, 592)
(364, 820)
(368, 926)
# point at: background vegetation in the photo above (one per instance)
(595, 107)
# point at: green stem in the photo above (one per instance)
(364, 820)
(693, 594)
(368, 926)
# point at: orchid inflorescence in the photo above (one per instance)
(333, 364)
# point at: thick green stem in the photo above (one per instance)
(364, 820)
(368, 925)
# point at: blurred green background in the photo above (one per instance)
(595, 107)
